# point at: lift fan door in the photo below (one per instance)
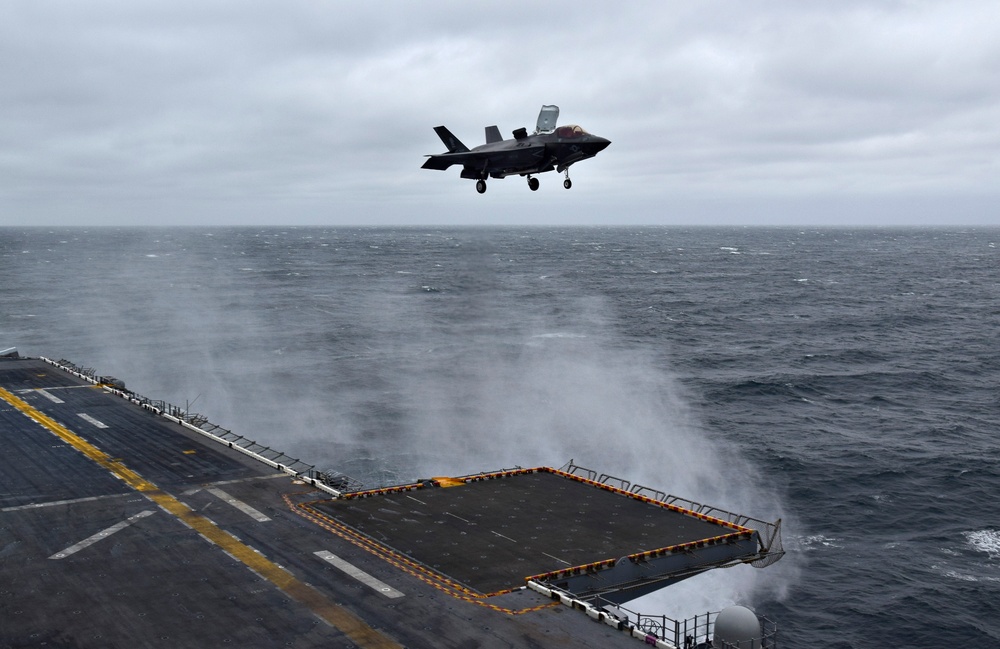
(547, 119)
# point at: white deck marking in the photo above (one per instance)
(60, 502)
(194, 490)
(417, 499)
(97, 422)
(238, 504)
(253, 477)
(70, 387)
(51, 397)
(53, 387)
(103, 534)
(503, 536)
(556, 558)
(359, 574)
(458, 517)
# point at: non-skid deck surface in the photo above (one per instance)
(119, 528)
(492, 534)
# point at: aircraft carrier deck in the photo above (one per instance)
(127, 522)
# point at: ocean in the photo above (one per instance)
(844, 381)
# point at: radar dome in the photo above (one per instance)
(736, 626)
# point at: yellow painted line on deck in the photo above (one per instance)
(350, 624)
(445, 481)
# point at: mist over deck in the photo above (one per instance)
(129, 522)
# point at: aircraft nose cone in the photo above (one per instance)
(600, 143)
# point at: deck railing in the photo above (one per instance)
(659, 630)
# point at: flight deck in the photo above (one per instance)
(493, 532)
(127, 522)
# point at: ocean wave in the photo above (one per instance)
(817, 541)
(987, 541)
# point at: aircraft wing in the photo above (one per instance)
(445, 160)
(503, 161)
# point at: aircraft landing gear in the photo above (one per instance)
(481, 186)
(532, 184)
(567, 183)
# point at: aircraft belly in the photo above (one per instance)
(520, 162)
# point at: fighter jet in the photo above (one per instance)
(548, 148)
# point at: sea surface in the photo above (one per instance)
(844, 381)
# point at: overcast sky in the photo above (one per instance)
(320, 113)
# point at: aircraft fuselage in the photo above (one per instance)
(549, 148)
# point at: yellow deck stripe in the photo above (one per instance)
(350, 624)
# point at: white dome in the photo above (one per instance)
(737, 626)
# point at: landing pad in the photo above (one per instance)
(493, 534)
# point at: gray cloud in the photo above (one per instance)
(312, 113)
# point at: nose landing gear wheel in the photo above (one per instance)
(532, 184)
(567, 183)
(481, 186)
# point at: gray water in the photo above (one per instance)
(847, 382)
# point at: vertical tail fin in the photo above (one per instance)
(453, 143)
(493, 135)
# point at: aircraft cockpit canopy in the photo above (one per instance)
(571, 131)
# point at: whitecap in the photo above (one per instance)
(152, 256)
(987, 541)
(815, 540)
(960, 576)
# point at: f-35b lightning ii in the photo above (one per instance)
(549, 147)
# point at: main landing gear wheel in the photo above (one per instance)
(481, 186)
(532, 184)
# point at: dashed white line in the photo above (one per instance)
(359, 574)
(458, 517)
(503, 536)
(556, 558)
(59, 502)
(51, 397)
(253, 477)
(194, 490)
(238, 504)
(87, 418)
(103, 534)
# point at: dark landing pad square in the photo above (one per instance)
(492, 534)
